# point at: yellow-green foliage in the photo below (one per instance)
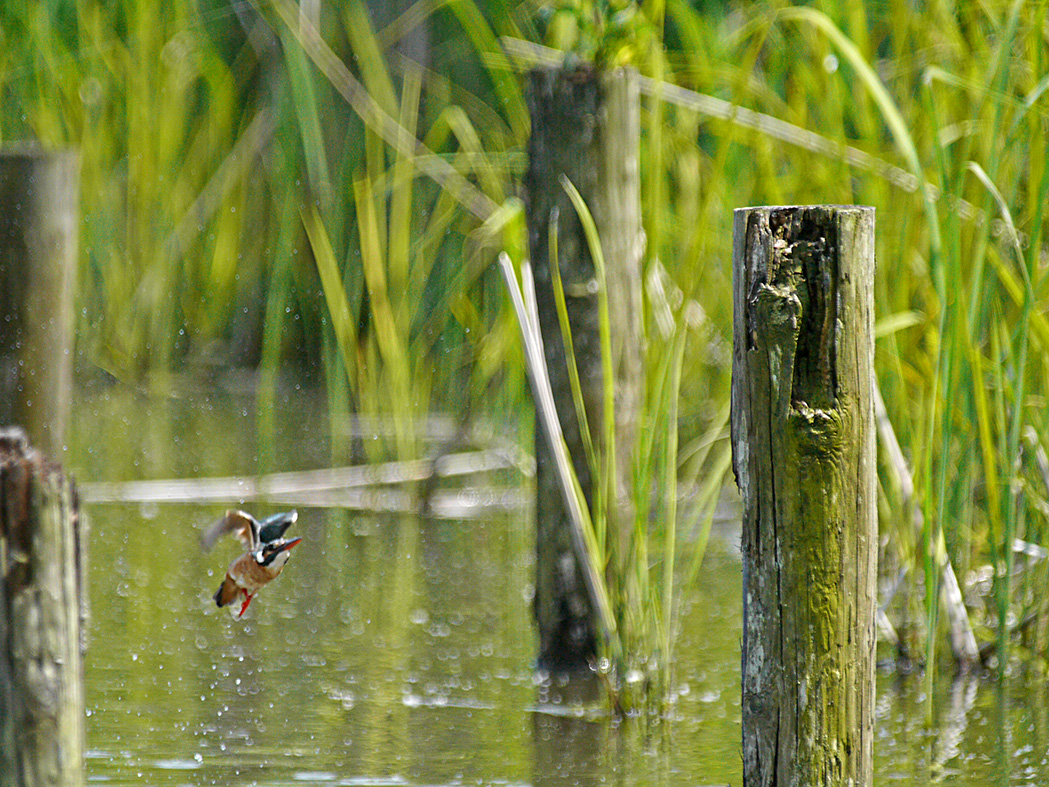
(142, 92)
(206, 134)
(955, 97)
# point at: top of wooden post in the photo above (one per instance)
(13, 440)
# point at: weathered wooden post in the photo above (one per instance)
(586, 126)
(39, 214)
(41, 602)
(804, 455)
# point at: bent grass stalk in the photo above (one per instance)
(582, 527)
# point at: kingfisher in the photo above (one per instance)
(267, 552)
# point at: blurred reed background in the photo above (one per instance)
(239, 211)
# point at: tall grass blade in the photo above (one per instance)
(308, 114)
(389, 336)
(486, 44)
(609, 476)
(435, 167)
(670, 496)
(890, 112)
(566, 338)
(342, 321)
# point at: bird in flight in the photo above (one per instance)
(266, 553)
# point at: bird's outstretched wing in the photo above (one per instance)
(273, 527)
(242, 525)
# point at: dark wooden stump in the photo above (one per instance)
(41, 602)
(586, 126)
(804, 455)
(39, 215)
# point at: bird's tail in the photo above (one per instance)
(226, 593)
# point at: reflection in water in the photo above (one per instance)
(954, 720)
(567, 734)
(399, 650)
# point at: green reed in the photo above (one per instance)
(148, 100)
(944, 133)
(638, 573)
(962, 382)
(244, 204)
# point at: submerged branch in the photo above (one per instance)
(352, 486)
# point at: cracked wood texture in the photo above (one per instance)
(585, 125)
(803, 445)
(41, 621)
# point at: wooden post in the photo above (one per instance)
(41, 595)
(39, 214)
(586, 126)
(804, 456)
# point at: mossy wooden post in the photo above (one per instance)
(586, 126)
(39, 215)
(41, 603)
(804, 455)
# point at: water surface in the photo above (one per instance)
(398, 650)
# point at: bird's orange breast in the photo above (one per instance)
(248, 574)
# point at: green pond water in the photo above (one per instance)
(396, 650)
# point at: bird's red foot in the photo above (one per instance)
(247, 600)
